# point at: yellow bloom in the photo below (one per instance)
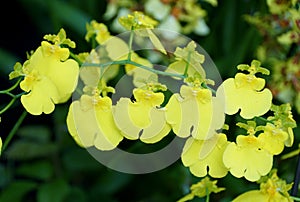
(247, 158)
(137, 20)
(98, 29)
(194, 112)
(142, 119)
(273, 139)
(188, 56)
(48, 79)
(90, 122)
(245, 92)
(205, 156)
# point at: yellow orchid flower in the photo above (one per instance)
(90, 122)
(205, 156)
(245, 92)
(239, 158)
(48, 80)
(142, 119)
(99, 30)
(194, 112)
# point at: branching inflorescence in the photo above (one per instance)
(196, 112)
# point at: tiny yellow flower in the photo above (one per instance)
(137, 20)
(188, 56)
(99, 30)
(90, 123)
(244, 92)
(201, 189)
(205, 156)
(194, 112)
(142, 119)
(247, 158)
(48, 80)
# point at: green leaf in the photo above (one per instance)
(22, 150)
(41, 170)
(17, 190)
(55, 191)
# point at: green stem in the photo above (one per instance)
(124, 62)
(263, 119)
(11, 88)
(130, 43)
(187, 64)
(15, 97)
(209, 88)
(14, 130)
(7, 93)
(207, 195)
(75, 57)
(295, 198)
(8, 105)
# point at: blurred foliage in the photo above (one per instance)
(44, 164)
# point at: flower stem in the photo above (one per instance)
(124, 62)
(263, 119)
(295, 198)
(15, 97)
(14, 130)
(130, 43)
(187, 64)
(11, 88)
(8, 105)
(75, 57)
(207, 195)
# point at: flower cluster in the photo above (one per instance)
(195, 112)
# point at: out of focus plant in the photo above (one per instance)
(280, 31)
